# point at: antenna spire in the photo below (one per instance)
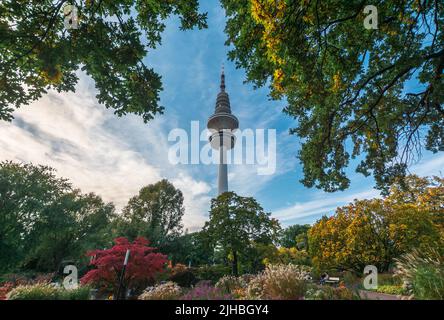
(222, 79)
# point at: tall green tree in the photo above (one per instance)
(44, 221)
(109, 43)
(295, 236)
(155, 213)
(25, 191)
(67, 229)
(355, 92)
(238, 223)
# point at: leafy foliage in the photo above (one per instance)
(236, 223)
(189, 248)
(391, 289)
(183, 276)
(155, 213)
(254, 258)
(377, 231)
(43, 220)
(330, 293)
(348, 87)
(143, 265)
(212, 272)
(230, 284)
(37, 53)
(295, 236)
(288, 256)
(5, 288)
(422, 273)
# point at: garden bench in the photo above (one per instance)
(332, 280)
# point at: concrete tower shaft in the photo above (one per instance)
(222, 124)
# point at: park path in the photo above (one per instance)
(371, 295)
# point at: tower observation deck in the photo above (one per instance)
(222, 124)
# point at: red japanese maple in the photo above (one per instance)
(143, 265)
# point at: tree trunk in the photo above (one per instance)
(234, 264)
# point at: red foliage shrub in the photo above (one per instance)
(143, 265)
(4, 289)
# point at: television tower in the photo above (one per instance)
(222, 124)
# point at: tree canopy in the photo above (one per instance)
(371, 94)
(295, 236)
(44, 221)
(189, 249)
(109, 43)
(375, 231)
(155, 213)
(237, 223)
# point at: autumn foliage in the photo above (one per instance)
(143, 265)
(376, 231)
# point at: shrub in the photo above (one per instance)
(229, 284)
(28, 278)
(247, 277)
(256, 287)
(13, 280)
(166, 291)
(17, 278)
(39, 291)
(205, 291)
(212, 273)
(183, 276)
(391, 289)
(279, 282)
(4, 289)
(285, 281)
(388, 279)
(179, 267)
(45, 291)
(422, 274)
(184, 279)
(143, 265)
(350, 279)
(239, 294)
(428, 283)
(330, 293)
(81, 293)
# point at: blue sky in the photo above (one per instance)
(114, 157)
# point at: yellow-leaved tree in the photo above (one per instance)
(374, 232)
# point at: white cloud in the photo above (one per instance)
(196, 199)
(429, 167)
(97, 151)
(323, 205)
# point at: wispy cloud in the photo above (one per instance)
(98, 152)
(428, 167)
(315, 208)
